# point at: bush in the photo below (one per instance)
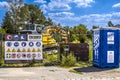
(45, 55)
(68, 61)
(32, 62)
(50, 59)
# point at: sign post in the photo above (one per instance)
(1, 48)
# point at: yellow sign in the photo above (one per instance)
(8, 50)
(33, 50)
(18, 50)
(28, 50)
(38, 50)
(13, 50)
(23, 50)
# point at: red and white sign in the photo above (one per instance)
(9, 37)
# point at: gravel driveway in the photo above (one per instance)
(57, 73)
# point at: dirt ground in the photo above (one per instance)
(58, 73)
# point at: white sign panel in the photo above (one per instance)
(34, 37)
(110, 38)
(23, 49)
(110, 56)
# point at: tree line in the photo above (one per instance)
(19, 13)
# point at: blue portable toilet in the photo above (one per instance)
(106, 47)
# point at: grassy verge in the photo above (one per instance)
(90, 51)
(74, 71)
(22, 65)
(83, 64)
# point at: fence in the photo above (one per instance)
(80, 51)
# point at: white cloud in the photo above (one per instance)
(4, 4)
(58, 5)
(100, 19)
(44, 8)
(83, 3)
(61, 14)
(40, 1)
(116, 5)
(89, 20)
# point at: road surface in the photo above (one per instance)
(58, 73)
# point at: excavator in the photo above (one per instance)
(48, 41)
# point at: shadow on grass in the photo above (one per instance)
(91, 69)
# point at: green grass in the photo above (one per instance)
(83, 64)
(74, 71)
(22, 65)
(90, 51)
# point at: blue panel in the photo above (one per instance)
(96, 44)
(110, 51)
(106, 48)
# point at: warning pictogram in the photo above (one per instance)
(9, 37)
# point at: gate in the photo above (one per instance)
(80, 50)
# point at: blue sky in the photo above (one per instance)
(75, 12)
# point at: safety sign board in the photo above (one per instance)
(18, 48)
(17, 52)
(16, 37)
(23, 37)
(35, 37)
(9, 37)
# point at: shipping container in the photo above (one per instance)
(106, 47)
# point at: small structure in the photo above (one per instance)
(106, 47)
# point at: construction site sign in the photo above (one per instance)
(20, 48)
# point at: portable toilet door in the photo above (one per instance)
(110, 48)
(107, 53)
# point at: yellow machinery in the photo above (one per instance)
(47, 38)
(47, 35)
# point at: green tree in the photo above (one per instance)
(80, 31)
(95, 27)
(2, 31)
(36, 15)
(8, 23)
(89, 34)
(16, 17)
(70, 33)
(49, 22)
(110, 24)
(24, 14)
(14, 10)
(57, 35)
